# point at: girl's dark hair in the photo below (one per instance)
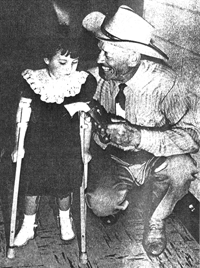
(52, 45)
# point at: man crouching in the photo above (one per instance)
(159, 132)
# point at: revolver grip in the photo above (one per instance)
(100, 119)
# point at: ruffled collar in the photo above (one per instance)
(54, 90)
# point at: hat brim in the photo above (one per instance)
(93, 22)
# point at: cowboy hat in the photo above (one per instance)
(125, 29)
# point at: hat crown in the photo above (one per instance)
(127, 25)
(124, 29)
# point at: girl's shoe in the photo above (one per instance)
(27, 231)
(66, 226)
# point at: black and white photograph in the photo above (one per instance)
(99, 133)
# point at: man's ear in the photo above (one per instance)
(134, 59)
(46, 60)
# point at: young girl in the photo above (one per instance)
(52, 161)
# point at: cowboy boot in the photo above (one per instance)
(27, 231)
(66, 227)
(169, 186)
(154, 238)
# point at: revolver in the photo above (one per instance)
(100, 119)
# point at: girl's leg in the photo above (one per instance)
(64, 203)
(66, 228)
(27, 230)
(31, 204)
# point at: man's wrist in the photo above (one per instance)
(136, 138)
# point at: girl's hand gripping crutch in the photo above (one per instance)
(23, 115)
(85, 136)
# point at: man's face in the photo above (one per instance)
(113, 62)
(61, 65)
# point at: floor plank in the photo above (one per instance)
(115, 246)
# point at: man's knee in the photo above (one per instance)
(178, 170)
(106, 201)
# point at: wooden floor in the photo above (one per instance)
(116, 246)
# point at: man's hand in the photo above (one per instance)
(123, 136)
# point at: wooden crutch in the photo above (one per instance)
(83, 207)
(24, 115)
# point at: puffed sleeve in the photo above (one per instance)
(87, 90)
(25, 90)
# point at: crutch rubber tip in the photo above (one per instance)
(83, 258)
(11, 253)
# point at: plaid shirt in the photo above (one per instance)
(158, 102)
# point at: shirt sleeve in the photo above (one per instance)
(183, 133)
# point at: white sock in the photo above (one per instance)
(29, 219)
(64, 213)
